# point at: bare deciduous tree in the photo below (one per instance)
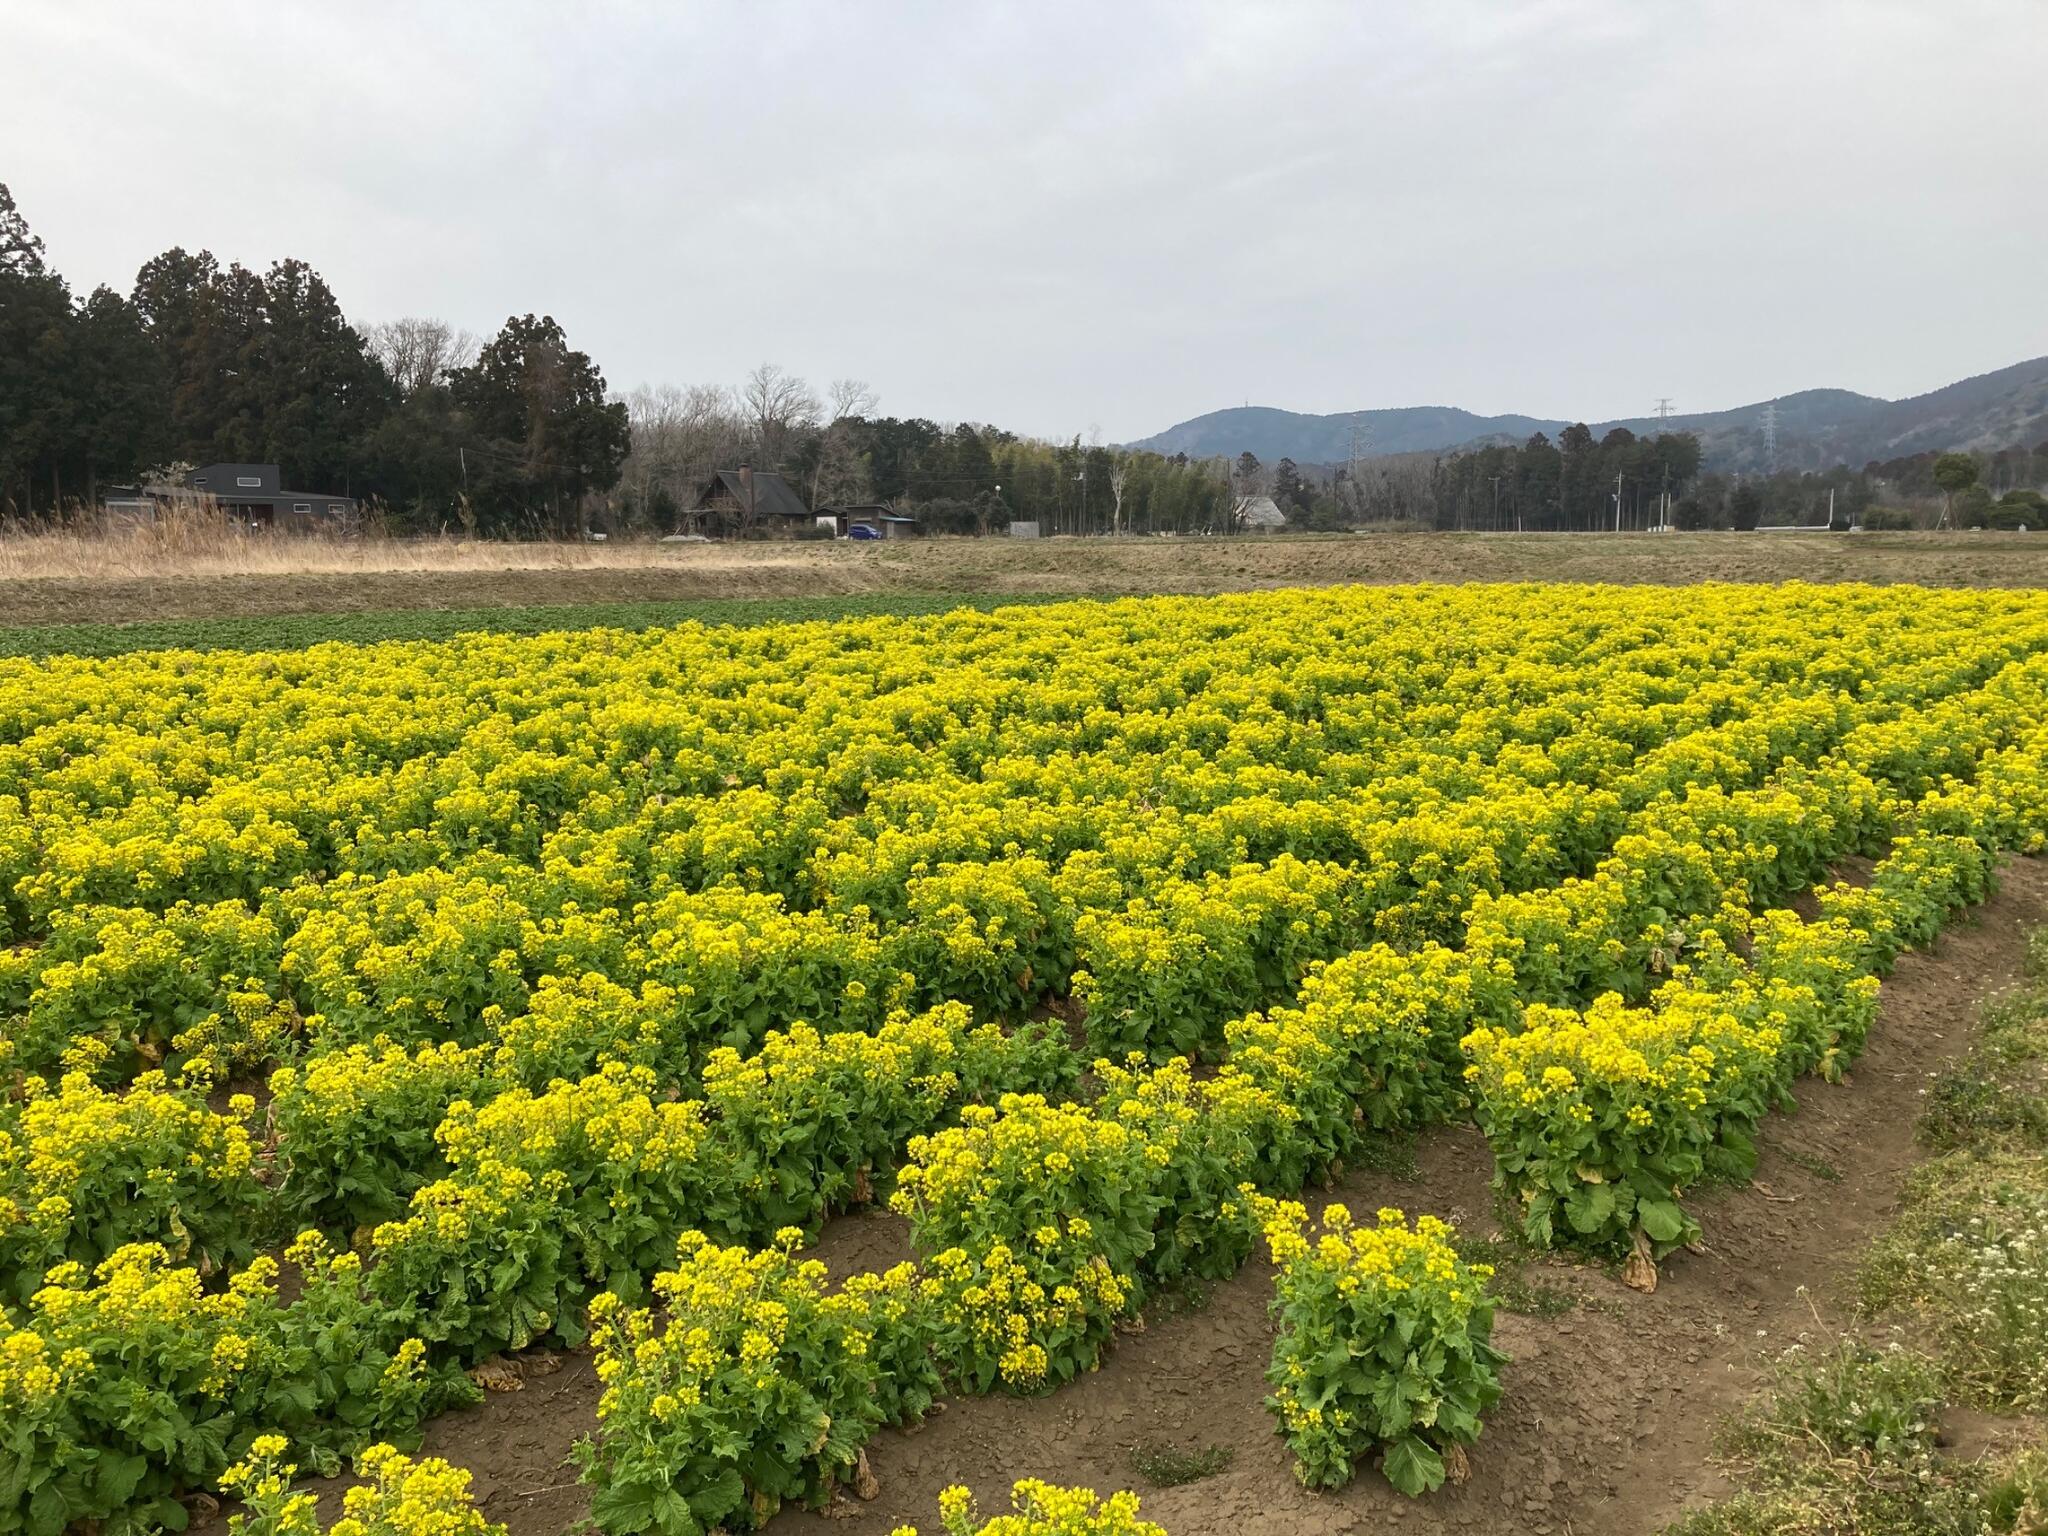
(680, 435)
(778, 405)
(1390, 488)
(839, 475)
(852, 397)
(418, 352)
(1119, 477)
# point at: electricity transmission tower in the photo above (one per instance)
(1663, 407)
(1771, 437)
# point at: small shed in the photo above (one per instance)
(884, 519)
(125, 507)
(1258, 514)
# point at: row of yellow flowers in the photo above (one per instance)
(347, 1167)
(1442, 779)
(350, 1165)
(1044, 1223)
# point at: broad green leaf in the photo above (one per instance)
(1413, 1466)
(1662, 1220)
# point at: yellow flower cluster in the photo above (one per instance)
(750, 1360)
(1165, 971)
(134, 1309)
(1043, 1509)
(356, 1126)
(1013, 1317)
(397, 1496)
(609, 1120)
(1672, 1059)
(1022, 1144)
(574, 1023)
(83, 1170)
(416, 957)
(154, 985)
(364, 1082)
(1608, 1114)
(1374, 1042)
(1384, 1341)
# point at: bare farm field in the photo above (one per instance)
(60, 579)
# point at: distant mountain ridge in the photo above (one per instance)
(1816, 427)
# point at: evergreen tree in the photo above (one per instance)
(1290, 490)
(316, 390)
(183, 299)
(1954, 473)
(546, 434)
(1745, 507)
(120, 424)
(36, 404)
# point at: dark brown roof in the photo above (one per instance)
(773, 495)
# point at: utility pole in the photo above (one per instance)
(1617, 501)
(1831, 509)
(1357, 493)
(1496, 503)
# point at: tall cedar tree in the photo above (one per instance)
(547, 435)
(35, 318)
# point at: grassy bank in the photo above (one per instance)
(1922, 1415)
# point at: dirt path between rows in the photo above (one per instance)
(1609, 1410)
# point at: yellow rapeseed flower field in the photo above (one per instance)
(1076, 933)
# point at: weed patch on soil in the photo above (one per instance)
(1852, 1436)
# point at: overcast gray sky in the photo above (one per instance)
(1099, 215)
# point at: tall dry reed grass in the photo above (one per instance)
(196, 541)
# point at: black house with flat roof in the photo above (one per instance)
(252, 493)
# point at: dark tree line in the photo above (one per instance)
(1978, 491)
(201, 363)
(1575, 484)
(1578, 484)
